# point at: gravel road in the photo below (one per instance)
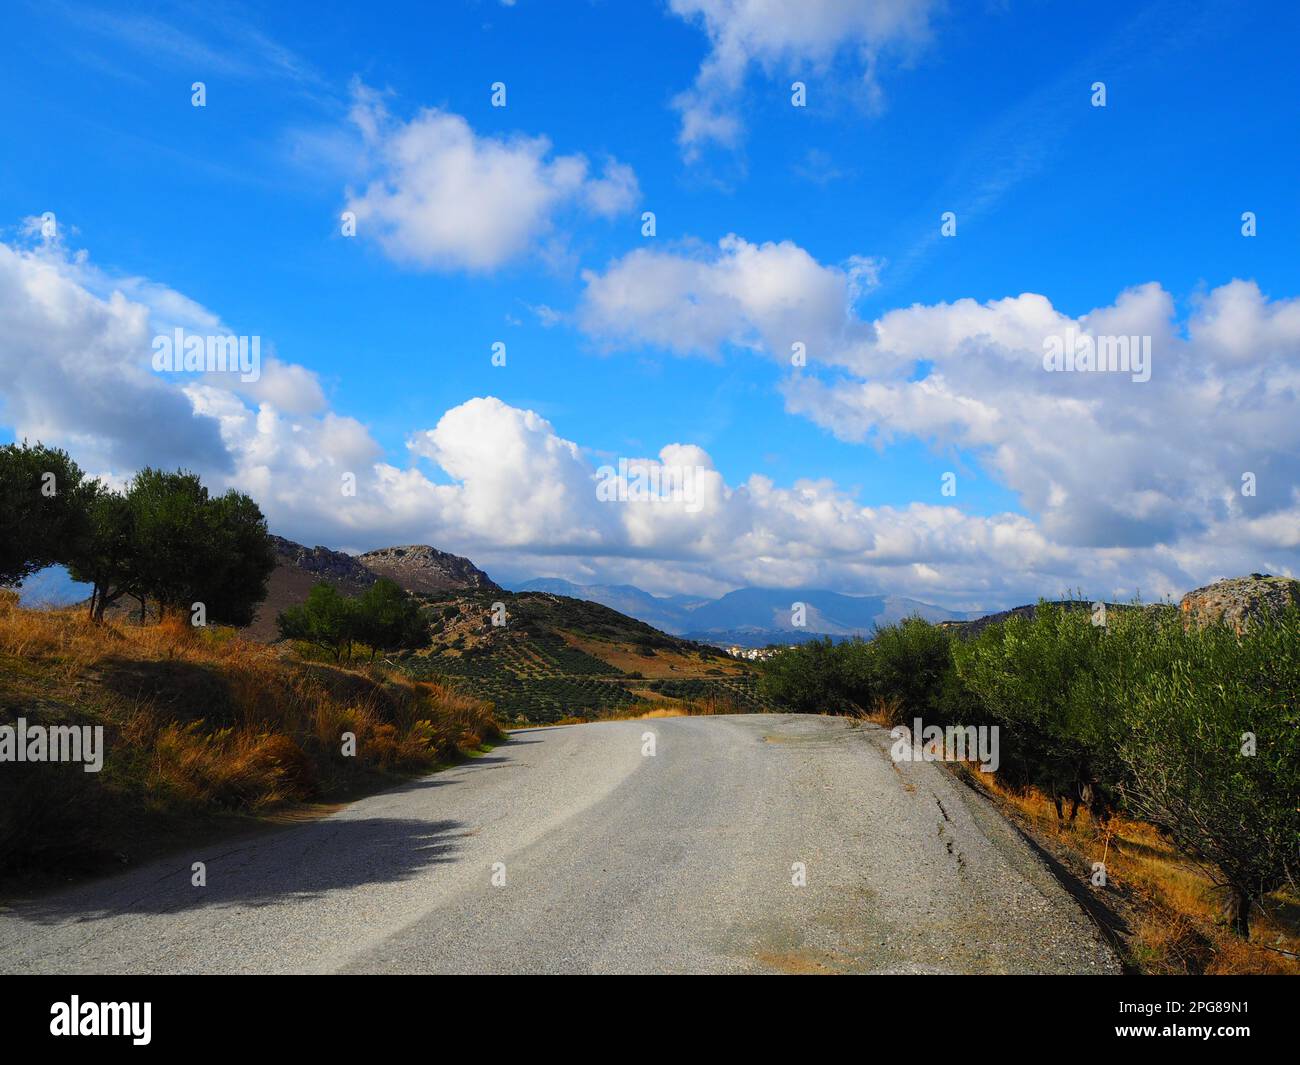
(605, 859)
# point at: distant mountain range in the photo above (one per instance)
(752, 617)
(748, 617)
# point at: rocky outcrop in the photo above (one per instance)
(323, 564)
(1239, 599)
(420, 568)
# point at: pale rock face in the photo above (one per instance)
(323, 564)
(420, 568)
(1239, 599)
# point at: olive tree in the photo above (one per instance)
(44, 499)
(1213, 756)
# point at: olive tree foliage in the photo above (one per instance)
(906, 668)
(389, 619)
(44, 501)
(909, 666)
(1213, 756)
(811, 678)
(164, 538)
(383, 618)
(327, 619)
(1037, 678)
(190, 547)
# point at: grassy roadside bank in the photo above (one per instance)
(204, 734)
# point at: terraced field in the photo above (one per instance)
(742, 690)
(536, 700)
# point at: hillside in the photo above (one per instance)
(557, 657)
(975, 626)
(1235, 599)
(417, 568)
(297, 569)
(668, 613)
(204, 733)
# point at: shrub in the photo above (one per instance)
(387, 619)
(907, 667)
(328, 619)
(910, 665)
(815, 677)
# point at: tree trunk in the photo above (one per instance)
(1236, 912)
(106, 598)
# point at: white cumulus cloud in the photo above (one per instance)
(1127, 486)
(699, 300)
(441, 196)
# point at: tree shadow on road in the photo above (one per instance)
(303, 862)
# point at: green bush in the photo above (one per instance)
(816, 677)
(1032, 677)
(382, 618)
(909, 669)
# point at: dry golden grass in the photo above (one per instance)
(201, 720)
(707, 706)
(884, 711)
(1176, 929)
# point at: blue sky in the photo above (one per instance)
(979, 109)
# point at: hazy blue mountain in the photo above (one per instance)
(751, 616)
(773, 610)
(667, 614)
(52, 587)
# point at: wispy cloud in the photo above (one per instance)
(1025, 139)
(225, 43)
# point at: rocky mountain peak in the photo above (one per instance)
(421, 568)
(323, 564)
